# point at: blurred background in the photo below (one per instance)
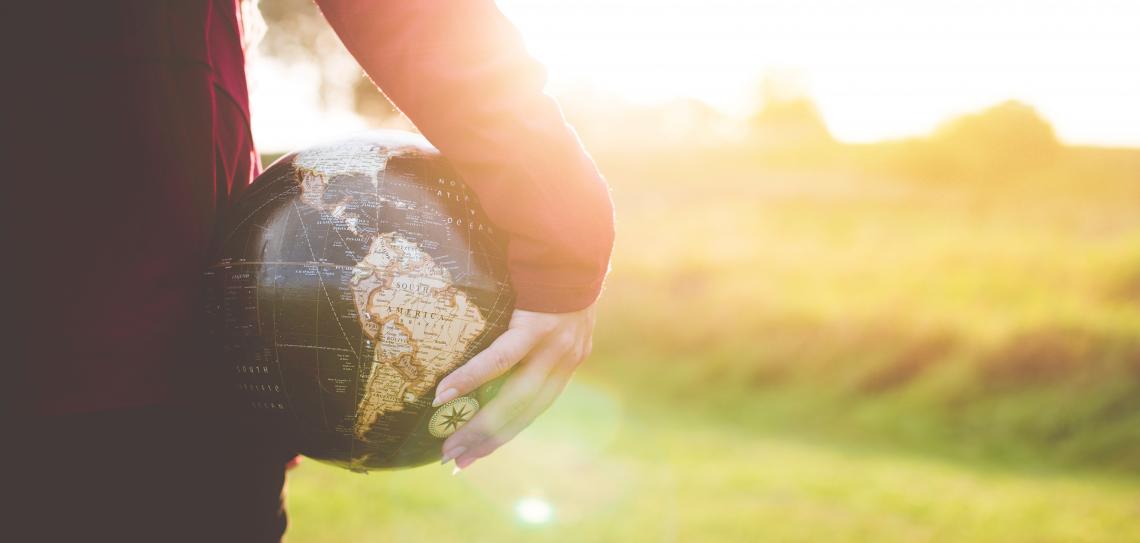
(877, 276)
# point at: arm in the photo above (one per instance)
(460, 72)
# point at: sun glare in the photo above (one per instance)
(878, 68)
(534, 511)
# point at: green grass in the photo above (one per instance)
(823, 353)
(618, 470)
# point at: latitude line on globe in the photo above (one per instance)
(283, 263)
(316, 347)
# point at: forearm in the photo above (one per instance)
(460, 72)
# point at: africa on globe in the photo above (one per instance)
(349, 279)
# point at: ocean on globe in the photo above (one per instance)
(349, 279)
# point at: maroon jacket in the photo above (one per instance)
(130, 128)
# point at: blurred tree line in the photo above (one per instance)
(1007, 140)
(787, 117)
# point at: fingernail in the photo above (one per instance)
(456, 471)
(452, 454)
(444, 397)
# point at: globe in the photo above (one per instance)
(350, 278)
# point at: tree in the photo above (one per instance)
(787, 116)
(1008, 136)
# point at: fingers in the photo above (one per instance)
(495, 360)
(550, 391)
(517, 393)
(550, 347)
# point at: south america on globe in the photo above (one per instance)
(349, 279)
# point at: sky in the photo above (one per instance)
(878, 69)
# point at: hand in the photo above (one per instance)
(547, 348)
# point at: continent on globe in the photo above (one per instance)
(420, 322)
(315, 168)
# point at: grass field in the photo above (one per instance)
(837, 348)
(648, 473)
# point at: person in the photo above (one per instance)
(128, 130)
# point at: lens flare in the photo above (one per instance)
(534, 511)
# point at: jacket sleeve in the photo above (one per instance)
(459, 70)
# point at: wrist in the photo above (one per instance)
(541, 298)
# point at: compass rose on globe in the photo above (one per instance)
(451, 415)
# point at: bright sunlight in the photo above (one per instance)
(878, 69)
